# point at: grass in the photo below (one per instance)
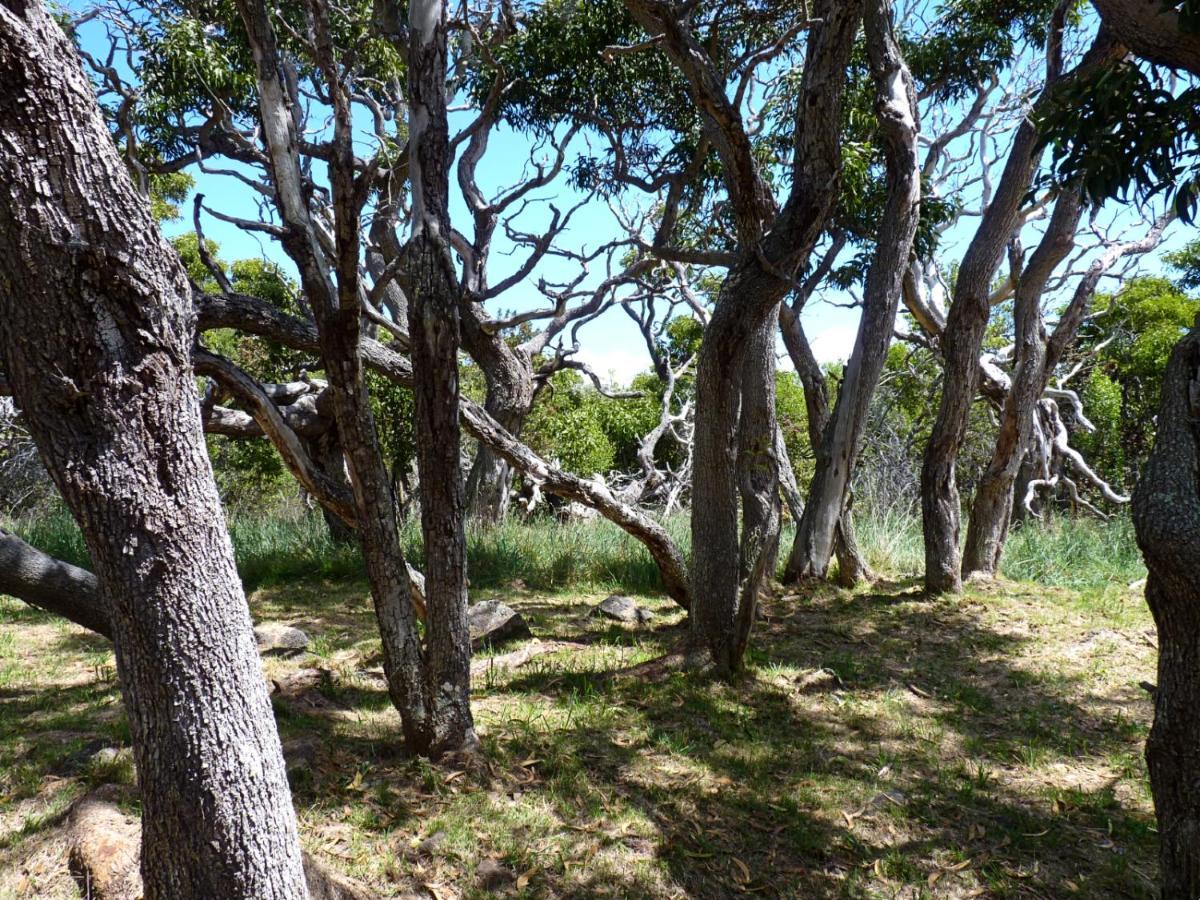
(1097, 558)
(882, 745)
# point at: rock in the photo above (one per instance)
(300, 754)
(623, 609)
(492, 622)
(105, 854)
(817, 681)
(896, 798)
(105, 848)
(493, 876)
(275, 637)
(430, 845)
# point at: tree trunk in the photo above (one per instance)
(717, 577)
(852, 567)
(255, 317)
(967, 321)
(95, 330)
(509, 376)
(325, 451)
(758, 486)
(433, 322)
(991, 511)
(896, 109)
(339, 335)
(1166, 515)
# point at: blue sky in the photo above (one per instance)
(611, 344)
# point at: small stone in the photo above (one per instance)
(622, 609)
(491, 622)
(896, 798)
(430, 845)
(817, 681)
(275, 637)
(300, 754)
(493, 876)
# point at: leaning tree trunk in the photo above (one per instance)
(508, 373)
(95, 331)
(991, 510)
(962, 338)
(433, 323)
(852, 566)
(1166, 514)
(896, 109)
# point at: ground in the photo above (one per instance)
(882, 745)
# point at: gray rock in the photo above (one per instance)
(300, 754)
(492, 622)
(623, 609)
(275, 637)
(494, 876)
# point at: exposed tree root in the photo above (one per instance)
(105, 854)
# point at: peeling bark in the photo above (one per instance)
(837, 452)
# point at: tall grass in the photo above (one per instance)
(1079, 553)
(546, 554)
(289, 544)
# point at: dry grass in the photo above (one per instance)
(883, 746)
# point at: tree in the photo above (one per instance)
(1166, 513)
(966, 323)
(95, 333)
(837, 453)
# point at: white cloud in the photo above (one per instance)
(615, 367)
(834, 343)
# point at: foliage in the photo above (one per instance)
(1128, 132)
(1124, 348)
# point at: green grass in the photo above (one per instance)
(1098, 559)
(987, 745)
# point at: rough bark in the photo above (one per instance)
(339, 334)
(1153, 31)
(433, 324)
(962, 338)
(95, 330)
(896, 110)
(1166, 515)
(991, 510)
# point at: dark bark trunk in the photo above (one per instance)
(51, 584)
(95, 329)
(991, 510)
(1166, 514)
(326, 454)
(433, 322)
(758, 487)
(896, 109)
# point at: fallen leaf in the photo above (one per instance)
(743, 870)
